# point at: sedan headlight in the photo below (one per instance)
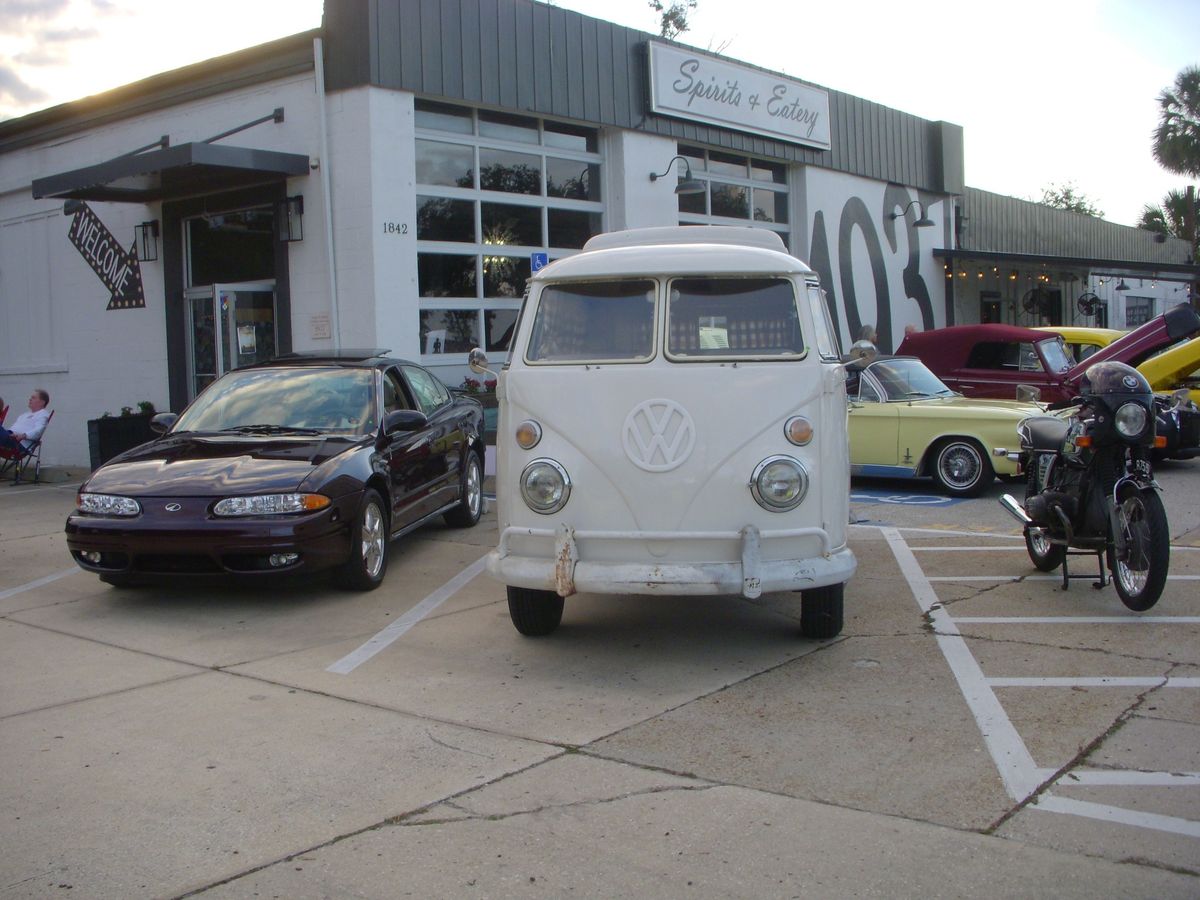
(1131, 419)
(545, 486)
(107, 505)
(270, 504)
(779, 483)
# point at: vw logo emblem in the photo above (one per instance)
(1130, 382)
(658, 435)
(173, 507)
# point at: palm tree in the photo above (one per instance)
(1177, 146)
(1170, 217)
(1177, 138)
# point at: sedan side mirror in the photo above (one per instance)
(162, 422)
(404, 420)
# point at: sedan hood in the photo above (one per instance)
(212, 466)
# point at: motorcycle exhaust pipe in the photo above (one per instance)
(1014, 509)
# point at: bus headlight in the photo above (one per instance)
(779, 483)
(545, 486)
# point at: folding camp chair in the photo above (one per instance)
(19, 461)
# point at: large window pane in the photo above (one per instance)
(570, 137)
(570, 228)
(730, 200)
(693, 203)
(513, 173)
(765, 171)
(508, 225)
(572, 179)
(498, 327)
(728, 164)
(445, 275)
(770, 206)
(443, 219)
(449, 330)
(505, 276)
(443, 117)
(442, 163)
(508, 128)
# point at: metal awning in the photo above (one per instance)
(173, 172)
(1131, 268)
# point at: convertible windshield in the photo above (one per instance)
(908, 379)
(733, 317)
(1055, 355)
(286, 401)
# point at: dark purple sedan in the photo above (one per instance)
(302, 464)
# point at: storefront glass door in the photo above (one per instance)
(231, 326)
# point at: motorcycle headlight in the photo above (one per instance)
(779, 483)
(270, 504)
(107, 505)
(1131, 419)
(545, 486)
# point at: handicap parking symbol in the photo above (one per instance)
(903, 499)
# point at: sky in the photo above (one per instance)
(1049, 93)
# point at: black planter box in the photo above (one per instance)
(115, 434)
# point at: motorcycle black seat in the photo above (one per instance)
(1042, 433)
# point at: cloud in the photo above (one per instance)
(66, 35)
(14, 90)
(17, 15)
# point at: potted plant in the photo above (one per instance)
(110, 435)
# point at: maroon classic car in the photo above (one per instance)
(992, 360)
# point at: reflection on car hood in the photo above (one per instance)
(977, 406)
(214, 465)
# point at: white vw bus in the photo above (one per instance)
(673, 421)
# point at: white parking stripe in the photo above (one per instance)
(1018, 549)
(1077, 620)
(1012, 759)
(1099, 681)
(352, 661)
(1123, 778)
(1036, 578)
(29, 586)
(1089, 810)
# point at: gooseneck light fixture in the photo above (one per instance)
(923, 222)
(689, 185)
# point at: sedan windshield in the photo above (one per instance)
(908, 379)
(279, 401)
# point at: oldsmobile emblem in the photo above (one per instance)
(173, 507)
(658, 435)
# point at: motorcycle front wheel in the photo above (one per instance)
(1140, 571)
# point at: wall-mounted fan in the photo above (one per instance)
(1036, 301)
(1087, 304)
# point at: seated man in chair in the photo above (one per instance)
(28, 427)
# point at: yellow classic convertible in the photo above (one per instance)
(905, 423)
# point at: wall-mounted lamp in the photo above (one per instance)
(289, 218)
(689, 185)
(1122, 286)
(147, 240)
(923, 222)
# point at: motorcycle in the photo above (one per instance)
(1090, 487)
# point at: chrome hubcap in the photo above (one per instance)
(1041, 544)
(474, 496)
(372, 540)
(960, 466)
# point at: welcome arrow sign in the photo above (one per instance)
(116, 267)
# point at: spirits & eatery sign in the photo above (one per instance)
(691, 85)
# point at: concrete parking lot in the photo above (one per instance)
(975, 731)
